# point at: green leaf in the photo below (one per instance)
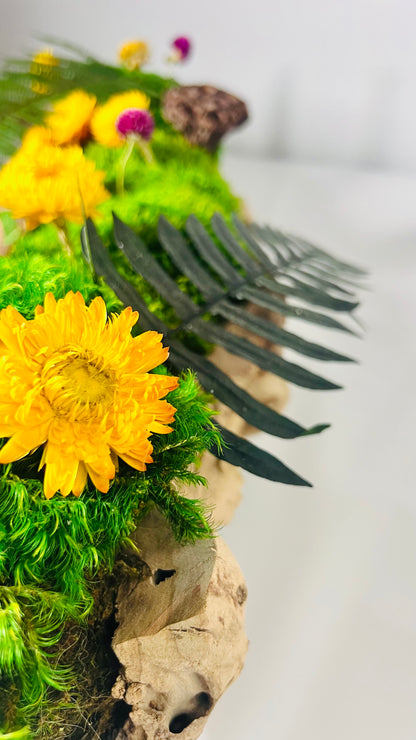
(22, 106)
(274, 333)
(239, 451)
(224, 389)
(306, 292)
(103, 267)
(263, 358)
(225, 269)
(266, 300)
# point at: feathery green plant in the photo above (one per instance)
(21, 105)
(51, 551)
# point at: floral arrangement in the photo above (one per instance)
(96, 428)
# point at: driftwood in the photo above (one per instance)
(180, 639)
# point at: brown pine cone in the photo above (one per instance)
(202, 113)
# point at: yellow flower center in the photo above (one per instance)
(46, 167)
(77, 386)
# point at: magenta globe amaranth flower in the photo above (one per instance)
(181, 49)
(136, 126)
(135, 122)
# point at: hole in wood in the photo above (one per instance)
(199, 706)
(161, 575)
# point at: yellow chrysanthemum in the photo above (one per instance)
(70, 118)
(45, 58)
(80, 385)
(43, 64)
(133, 54)
(48, 183)
(34, 139)
(103, 124)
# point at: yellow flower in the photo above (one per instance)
(43, 64)
(45, 58)
(70, 118)
(49, 183)
(133, 54)
(80, 385)
(103, 124)
(34, 139)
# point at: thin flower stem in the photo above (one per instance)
(7, 241)
(62, 229)
(146, 150)
(122, 164)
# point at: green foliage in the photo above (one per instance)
(193, 432)
(200, 273)
(183, 178)
(186, 182)
(29, 272)
(21, 105)
(50, 551)
(255, 265)
(31, 622)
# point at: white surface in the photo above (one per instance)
(325, 80)
(331, 571)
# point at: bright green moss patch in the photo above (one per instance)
(52, 552)
(183, 180)
(27, 274)
(60, 559)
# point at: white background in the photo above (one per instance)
(331, 570)
(326, 80)
(329, 153)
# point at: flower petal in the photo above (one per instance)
(79, 384)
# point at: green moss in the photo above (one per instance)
(53, 553)
(50, 551)
(183, 179)
(30, 272)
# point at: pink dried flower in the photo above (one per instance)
(135, 122)
(181, 48)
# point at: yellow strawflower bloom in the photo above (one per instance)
(48, 183)
(103, 124)
(43, 64)
(45, 58)
(35, 138)
(80, 385)
(133, 54)
(70, 118)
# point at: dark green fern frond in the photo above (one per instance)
(249, 264)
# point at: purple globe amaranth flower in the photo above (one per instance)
(181, 47)
(135, 122)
